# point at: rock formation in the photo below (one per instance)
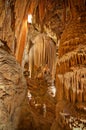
(12, 89)
(71, 70)
(71, 63)
(41, 53)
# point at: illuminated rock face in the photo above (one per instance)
(12, 89)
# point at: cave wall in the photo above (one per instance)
(71, 58)
(12, 83)
(71, 65)
(12, 89)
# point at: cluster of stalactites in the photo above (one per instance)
(43, 52)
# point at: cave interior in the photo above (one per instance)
(42, 64)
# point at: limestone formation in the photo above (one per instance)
(71, 68)
(12, 89)
(71, 63)
(42, 53)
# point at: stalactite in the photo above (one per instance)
(43, 53)
(74, 85)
